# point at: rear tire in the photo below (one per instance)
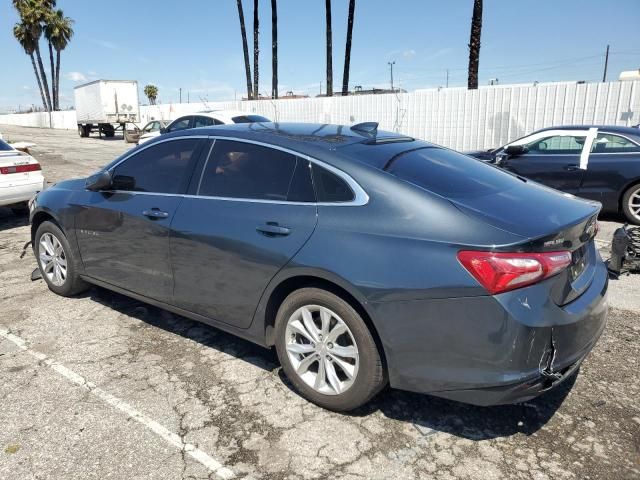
(82, 131)
(58, 266)
(631, 204)
(340, 369)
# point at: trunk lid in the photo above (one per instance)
(551, 221)
(10, 172)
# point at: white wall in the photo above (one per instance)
(455, 117)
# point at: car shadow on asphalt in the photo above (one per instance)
(426, 413)
(429, 414)
(205, 335)
(8, 219)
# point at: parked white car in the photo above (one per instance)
(206, 118)
(20, 178)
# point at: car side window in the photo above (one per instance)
(202, 122)
(180, 124)
(245, 170)
(609, 143)
(162, 168)
(557, 145)
(330, 187)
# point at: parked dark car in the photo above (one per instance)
(609, 157)
(365, 257)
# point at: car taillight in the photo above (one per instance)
(30, 167)
(501, 272)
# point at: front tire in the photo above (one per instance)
(631, 204)
(58, 266)
(327, 351)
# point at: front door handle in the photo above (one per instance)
(571, 168)
(272, 229)
(155, 213)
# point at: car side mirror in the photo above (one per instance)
(99, 181)
(515, 150)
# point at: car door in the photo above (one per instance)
(253, 209)
(123, 233)
(614, 162)
(552, 159)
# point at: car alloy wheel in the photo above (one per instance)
(634, 203)
(322, 349)
(53, 260)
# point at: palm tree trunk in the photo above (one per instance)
(474, 44)
(53, 79)
(274, 49)
(245, 49)
(256, 49)
(329, 49)
(43, 76)
(347, 51)
(58, 79)
(35, 70)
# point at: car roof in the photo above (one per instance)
(226, 113)
(314, 139)
(607, 128)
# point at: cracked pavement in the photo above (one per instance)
(227, 397)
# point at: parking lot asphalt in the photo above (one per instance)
(102, 386)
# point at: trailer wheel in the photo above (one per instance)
(108, 130)
(82, 131)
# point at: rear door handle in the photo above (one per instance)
(272, 229)
(571, 168)
(155, 213)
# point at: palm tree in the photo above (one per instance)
(329, 48)
(256, 48)
(245, 48)
(33, 14)
(58, 32)
(274, 49)
(151, 92)
(347, 51)
(474, 44)
(22, 33)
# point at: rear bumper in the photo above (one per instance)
(20, 193)
(491, 350)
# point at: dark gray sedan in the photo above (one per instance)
(364, 257)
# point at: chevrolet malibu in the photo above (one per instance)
(366, 258)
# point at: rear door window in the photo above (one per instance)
(449, 174)
(202, 122)
(249, 171)
(609, 143)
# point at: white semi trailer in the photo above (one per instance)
(105, 105)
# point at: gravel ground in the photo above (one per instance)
(102, 386)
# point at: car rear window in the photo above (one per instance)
(449, 173)
(4, 146)
(250, 119)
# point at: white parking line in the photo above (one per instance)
(164, 433)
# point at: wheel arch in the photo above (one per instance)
(39, 218)
(280, 289)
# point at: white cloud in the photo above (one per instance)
(410, 53)
(75, 76)
(104, 44)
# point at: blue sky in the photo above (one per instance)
(196, 44)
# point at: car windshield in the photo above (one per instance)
(449, 174)
(4, 146)
(249, 119)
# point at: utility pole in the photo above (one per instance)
(391, 64)
(447, 84)
(180, 94)
(606, 64)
